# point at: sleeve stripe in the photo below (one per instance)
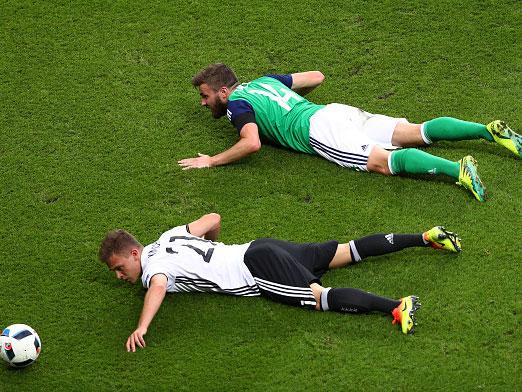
(286, 79)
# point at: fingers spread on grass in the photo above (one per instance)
(135, 339)
(202, 161)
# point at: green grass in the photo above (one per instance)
(96, 107)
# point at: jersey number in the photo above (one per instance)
(206, 255)
(274, 95)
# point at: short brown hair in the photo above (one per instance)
(216, 76)
(116, 242)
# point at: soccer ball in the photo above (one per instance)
(20, 345)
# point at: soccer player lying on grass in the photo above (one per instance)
(188, 259)
(270, 109)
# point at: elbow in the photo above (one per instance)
(216, 218)
(319, 77)
(254, 146)
(250, 145)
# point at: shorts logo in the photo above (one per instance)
(389, 237)
(349, 310)
(364, 147)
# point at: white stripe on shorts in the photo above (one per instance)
(288, 291)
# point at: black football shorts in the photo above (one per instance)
(284, 270)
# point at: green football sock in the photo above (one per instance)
(448, 128)
(412, 161)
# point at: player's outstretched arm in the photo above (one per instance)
(151, 305)
(248, 143)
(208, 226)
(304, 82)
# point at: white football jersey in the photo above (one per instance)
(192, 263)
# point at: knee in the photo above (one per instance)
(317, 290)
(380, 168)
(407, 134)
(378, 161)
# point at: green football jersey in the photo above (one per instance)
(282, 116)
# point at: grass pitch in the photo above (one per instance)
(96, 107)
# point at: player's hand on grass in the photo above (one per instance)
(136, 339)
(196, 163)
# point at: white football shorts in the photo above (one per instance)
(346, 135)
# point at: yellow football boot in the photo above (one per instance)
(440, 238)
(506, 137)
(469, 178)
(405, 313)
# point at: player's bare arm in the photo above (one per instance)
(151, 305)
(249, 143)
(208, 226)
(304, 82)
